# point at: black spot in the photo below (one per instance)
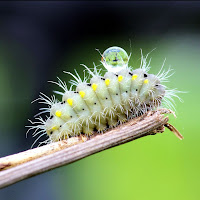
(115, 59)
(145, 75)
(107, 125)
(95, 103)
(75, 92)
(88, 84)
(103, 79)
(83, 109)
(60, 125)
(106, 97)
(156, 85)
(51, 117)
(51, 132)
(126, 91)
(63, 101)
(130, 73)
(116, 75)
(95, 130)
(71, 116)
(116, 93)
(136, 90)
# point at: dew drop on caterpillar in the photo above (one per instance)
(105, 101)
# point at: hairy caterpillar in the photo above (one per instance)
(104, 101)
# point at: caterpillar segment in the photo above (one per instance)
(125, 81)
(75, 100)
(105, 100)
(87, 92)
(115, 93)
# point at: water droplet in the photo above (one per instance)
(115, 59)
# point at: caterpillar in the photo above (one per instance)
(102, 102)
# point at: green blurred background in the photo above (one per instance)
(38, 40)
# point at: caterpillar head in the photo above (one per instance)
(57, 129)
(52, 126)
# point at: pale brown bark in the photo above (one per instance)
(35, 161)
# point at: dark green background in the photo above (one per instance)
(38, 40)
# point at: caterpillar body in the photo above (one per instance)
(104, 101)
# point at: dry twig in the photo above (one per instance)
(32, 162)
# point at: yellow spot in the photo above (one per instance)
(82, 94)
(107, 81)
(134, 76)
(58, 113)
(120, 78)
(70, 101)
(94, 86)
(146, 81)
(54, 128)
